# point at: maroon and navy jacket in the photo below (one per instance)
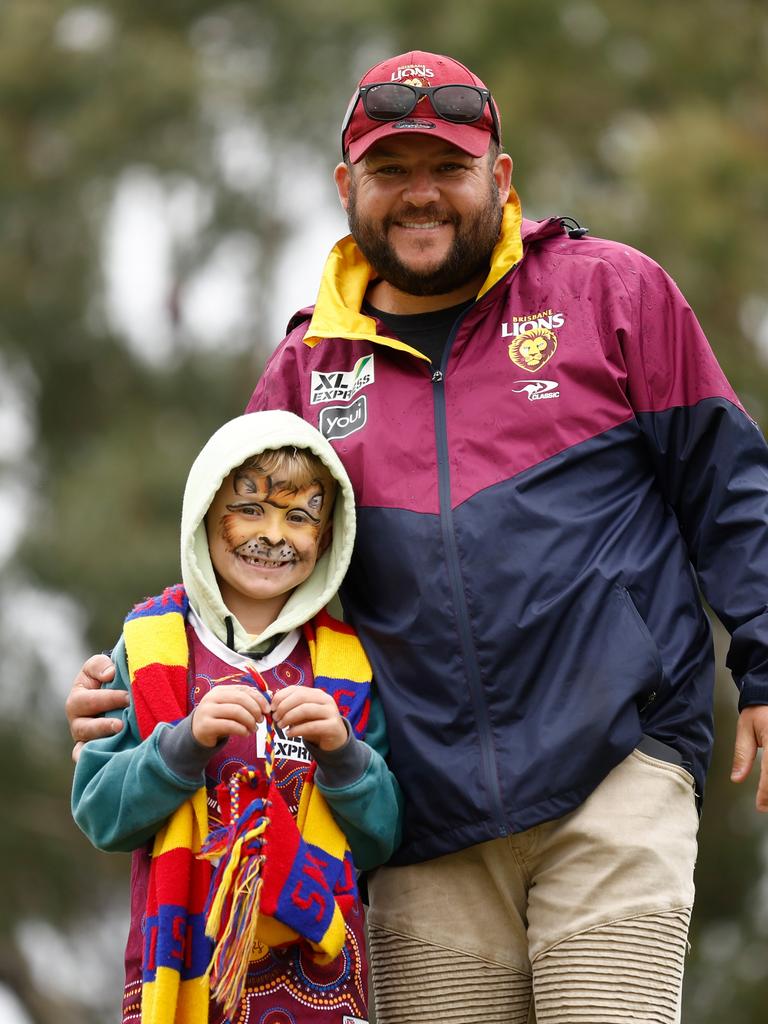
(535, 519)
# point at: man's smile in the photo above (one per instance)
(421, 225)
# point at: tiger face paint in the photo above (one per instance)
(265, 537)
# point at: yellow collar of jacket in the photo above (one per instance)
(347, 274)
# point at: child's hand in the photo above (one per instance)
(311, 713)
(229, 710)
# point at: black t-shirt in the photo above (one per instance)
(426, 332)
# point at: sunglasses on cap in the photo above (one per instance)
(392, 101)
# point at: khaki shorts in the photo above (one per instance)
(582, 919)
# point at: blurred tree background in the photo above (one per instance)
(160, 165)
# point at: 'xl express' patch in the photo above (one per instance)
(341, 385)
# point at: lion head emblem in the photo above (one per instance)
(530, 350)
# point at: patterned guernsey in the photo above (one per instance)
(308, 949)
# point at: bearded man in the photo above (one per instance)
(526, 575)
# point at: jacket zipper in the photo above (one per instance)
(457, 588)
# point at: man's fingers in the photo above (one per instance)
(744, 750)
(86, 728)
(761, 802)
(84, 703)
(98, 669)
(86, 698)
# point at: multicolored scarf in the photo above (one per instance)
(278, 880)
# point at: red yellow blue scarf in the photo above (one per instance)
(278, 880)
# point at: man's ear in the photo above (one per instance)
(502, 174)
(325, 540)
(343, 177)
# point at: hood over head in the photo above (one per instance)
(228, 448)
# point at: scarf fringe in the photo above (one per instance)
(232, 911)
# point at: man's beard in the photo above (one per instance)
(474, 238)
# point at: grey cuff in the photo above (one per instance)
(344, 766)
(181, 751)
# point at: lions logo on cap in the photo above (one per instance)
(530, 350)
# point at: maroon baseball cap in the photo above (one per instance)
(426, 70)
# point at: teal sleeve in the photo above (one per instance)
(123, 789)
(369, 810)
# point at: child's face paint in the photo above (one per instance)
(265, 537)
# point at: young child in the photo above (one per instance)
(248, 708)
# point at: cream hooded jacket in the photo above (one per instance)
(229, 447)
(125, 788)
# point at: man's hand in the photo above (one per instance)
(751, 733)
(311, 713)
(228, 710)
(87, 702)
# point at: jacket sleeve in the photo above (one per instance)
(363, 794)
(711, 461)
(124, 787)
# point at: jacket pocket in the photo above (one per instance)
(651, 694)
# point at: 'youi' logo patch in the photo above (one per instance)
(337, 421)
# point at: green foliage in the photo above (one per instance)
(648, 122)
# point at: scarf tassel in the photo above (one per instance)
(232, 910)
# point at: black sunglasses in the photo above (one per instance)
(391, 101)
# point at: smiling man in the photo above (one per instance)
(427, 215)
(526, 573)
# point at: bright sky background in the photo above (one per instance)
(149, 219)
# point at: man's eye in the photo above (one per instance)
(389, 170)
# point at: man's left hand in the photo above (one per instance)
(751, 733)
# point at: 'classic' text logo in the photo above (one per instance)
(537, 388)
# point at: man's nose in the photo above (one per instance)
(421, 188)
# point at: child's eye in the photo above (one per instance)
(298, 517)
(251, 510)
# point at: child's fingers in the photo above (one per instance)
(297, 719)
(256, 697)
(245, 696)
(213, 720)
(231, 713)
(327, 731)
(291, 697)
